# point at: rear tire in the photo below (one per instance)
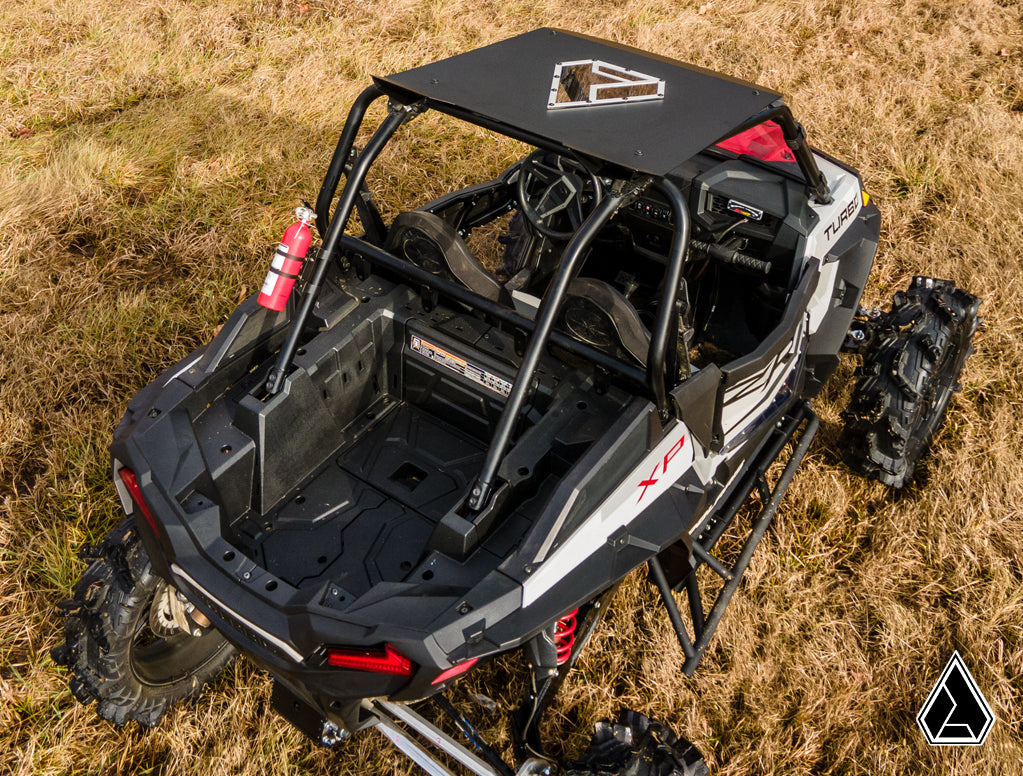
(907, 379)
(637, 746)
(114, 655)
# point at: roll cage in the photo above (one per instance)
(661, 362)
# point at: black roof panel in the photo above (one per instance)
(510, 83)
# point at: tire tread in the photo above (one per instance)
(923, 343)
(99, 622)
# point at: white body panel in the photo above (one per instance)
(747, 401)
(661, 468)
(835, 218)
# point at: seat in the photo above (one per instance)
(429, 242)
(597, 313)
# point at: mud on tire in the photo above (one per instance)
(111, 650)
(908, 376)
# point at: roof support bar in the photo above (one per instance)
(342, 153)
(398, 115)
(548, 313)
(795, 138)
(666, 328)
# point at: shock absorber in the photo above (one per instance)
(564, 636)
(287, 262)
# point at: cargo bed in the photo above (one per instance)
(366, 515)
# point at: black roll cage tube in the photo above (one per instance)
(659, 366)
(397, 115)
(662, 357)
(342, 155)
(571, 260)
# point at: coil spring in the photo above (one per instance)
(564, 636)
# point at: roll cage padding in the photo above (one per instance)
(457, 256)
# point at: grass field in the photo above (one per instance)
(151, 153)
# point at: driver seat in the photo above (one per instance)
(432, 244)
(598, 313)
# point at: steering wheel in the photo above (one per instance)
(550, 190)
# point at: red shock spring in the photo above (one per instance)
(564, 636)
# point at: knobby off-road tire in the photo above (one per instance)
(637, 746)
(907, 379)
(111, 649)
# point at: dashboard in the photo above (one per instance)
(761, 212)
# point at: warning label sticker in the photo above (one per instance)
(460, 365)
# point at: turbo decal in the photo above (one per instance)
(844, 215)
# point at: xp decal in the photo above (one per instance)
(653, 477)
(663, 465)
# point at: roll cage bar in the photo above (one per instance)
(661, 359)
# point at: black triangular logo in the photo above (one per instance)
(956, 712)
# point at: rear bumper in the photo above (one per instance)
(286, 640)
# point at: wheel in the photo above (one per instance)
(552, 193)
(130, 643)
(907, 379)
(637, 746)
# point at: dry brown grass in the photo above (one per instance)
(149, 155)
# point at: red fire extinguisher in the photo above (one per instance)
(287, 262)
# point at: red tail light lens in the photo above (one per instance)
(128, 478)
(387, 661)
(458, 670)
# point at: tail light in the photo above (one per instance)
(128, 478)
(458, 670)
(385, 661)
